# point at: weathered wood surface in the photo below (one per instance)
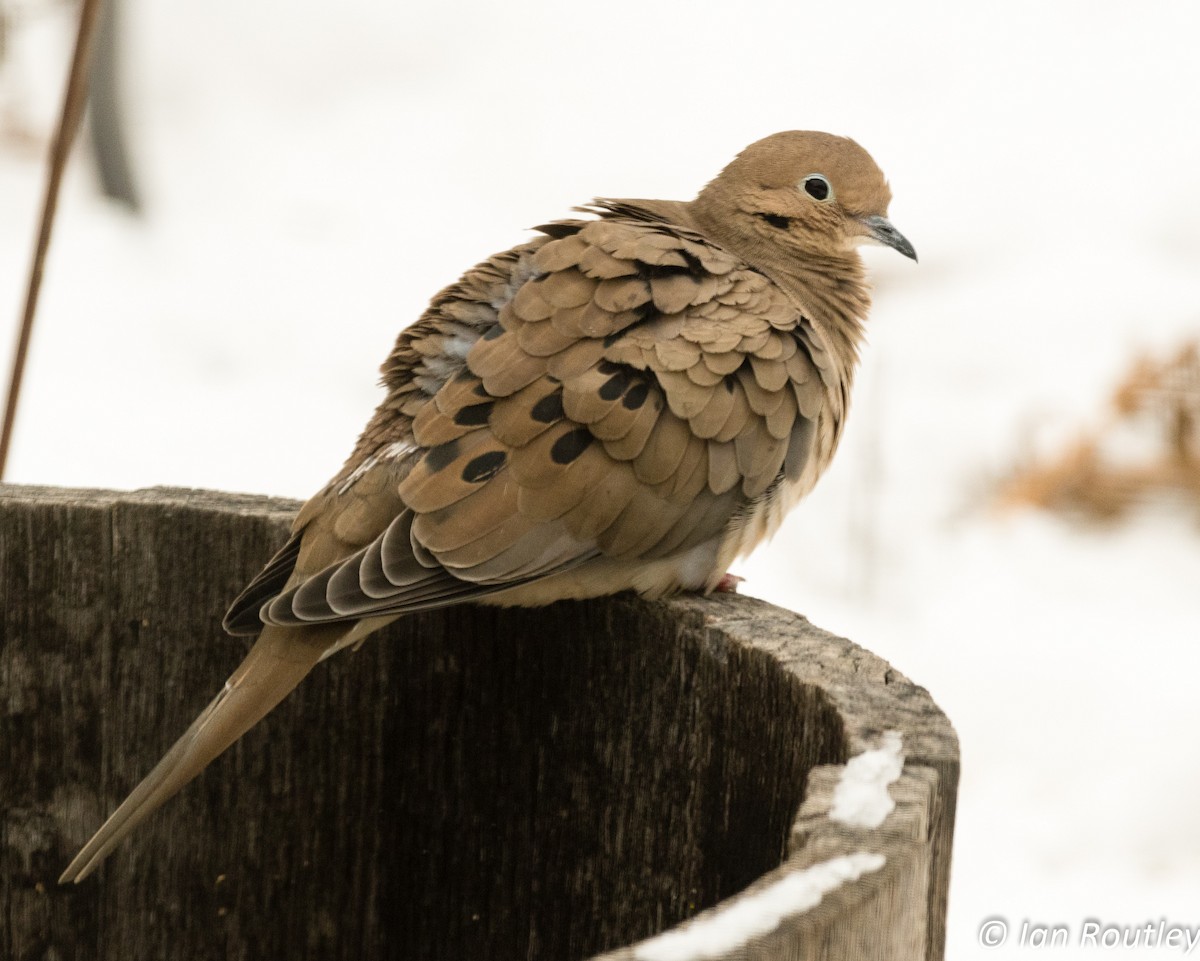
(472, 784)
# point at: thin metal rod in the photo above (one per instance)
(74, 101)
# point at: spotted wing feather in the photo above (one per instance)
(621, 389)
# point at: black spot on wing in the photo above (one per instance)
(474, 415)
(568, 447)
(549, 409)
(560, 229)
(636, 396)
(615, 386)
(441, 456)
(480, 468)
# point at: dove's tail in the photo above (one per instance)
(278, 662)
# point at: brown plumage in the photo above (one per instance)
(624, 403)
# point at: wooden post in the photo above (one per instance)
(472, 784)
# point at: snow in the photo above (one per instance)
(861, 797)
(314, 173)
(725, 929)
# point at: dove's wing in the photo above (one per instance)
(623, 391)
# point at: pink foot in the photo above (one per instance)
(728, 584)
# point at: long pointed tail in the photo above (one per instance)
(278, 662)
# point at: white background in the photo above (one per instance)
(315, 171)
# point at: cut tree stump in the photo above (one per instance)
(473, 784)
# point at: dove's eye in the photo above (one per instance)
(817, 187)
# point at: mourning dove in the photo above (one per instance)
(628, 402)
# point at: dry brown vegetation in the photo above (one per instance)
(1159, 400)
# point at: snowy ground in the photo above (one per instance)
(315, 171)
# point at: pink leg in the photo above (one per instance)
(728, 584)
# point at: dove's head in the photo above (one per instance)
(800, 193)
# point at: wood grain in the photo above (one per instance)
(472, 784)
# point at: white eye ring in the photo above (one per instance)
(818, 187)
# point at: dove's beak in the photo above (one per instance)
(880, 229)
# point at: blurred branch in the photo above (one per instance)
(72, 111)
(106, 121)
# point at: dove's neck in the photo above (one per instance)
(829, 287)
(833, 294)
